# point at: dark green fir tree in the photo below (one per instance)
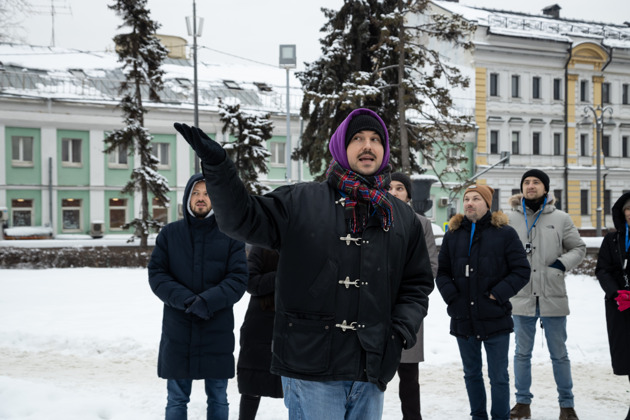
(141, 54)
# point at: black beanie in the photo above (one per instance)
(405, 180)
(536, 173)
(364, 122)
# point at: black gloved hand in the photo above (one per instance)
(200, 308)
(558, 264)
(209, 151)
(189, 301)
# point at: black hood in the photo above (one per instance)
(186, 204)
(618, 217)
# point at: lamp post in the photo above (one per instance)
(598, 116)
(288, 61)
(195, 31)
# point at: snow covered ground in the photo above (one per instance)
(81, 344)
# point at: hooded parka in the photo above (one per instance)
(612, 277)
(552, 237)
(346, 304)
(192, 257)
(497, 265)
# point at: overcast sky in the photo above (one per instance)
(252, 29)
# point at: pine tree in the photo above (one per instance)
(373, 59)
(247, 151)
(142, 55)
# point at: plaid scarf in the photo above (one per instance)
(360, 194)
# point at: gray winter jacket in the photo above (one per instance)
(416, 353)
(554, 237)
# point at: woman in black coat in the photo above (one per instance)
(254, 360)
(613, 273)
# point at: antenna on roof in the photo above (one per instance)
(54, 9)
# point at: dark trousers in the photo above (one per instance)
(409, 391)
(248, 407)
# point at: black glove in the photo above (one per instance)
(189, 301)
(209, 151)
(558, 264)
(199, 308)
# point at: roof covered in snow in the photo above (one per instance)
(60, 73)
(544, 27)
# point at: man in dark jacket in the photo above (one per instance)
(353, 277)
(199, 273)
(482, 264)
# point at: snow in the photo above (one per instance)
(82, 344)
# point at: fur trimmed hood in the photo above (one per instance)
(515, 200)
(498, 219)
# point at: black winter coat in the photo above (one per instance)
(610, 273)
(254, 359)
(327, 326)
(497, 265)
(192, 257)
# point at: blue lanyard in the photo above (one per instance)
(472, 233)
(536, 219)
(627, 238)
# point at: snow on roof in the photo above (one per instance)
(82, 75)
(518, 24)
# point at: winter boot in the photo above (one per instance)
(568, 413)
(520, 411)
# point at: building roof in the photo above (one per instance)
(544, 27)
(58, 73)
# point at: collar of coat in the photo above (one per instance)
(516, 202)
(497, 219)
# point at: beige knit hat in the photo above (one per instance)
(485, 191)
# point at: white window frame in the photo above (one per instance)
(516, 139)
(537, 88)
(278, 154)
(78, 209)
(30, 210)
(113, 160)
(536, 142)
(158, 150)
(498, 142)
(156, 205)
(122, 207)
(515, 86)
(493, 84)
(67, 145)
(557, 136)
(22, 160)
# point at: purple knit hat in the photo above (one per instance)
(337, 145)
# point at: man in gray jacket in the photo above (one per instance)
(553, 245)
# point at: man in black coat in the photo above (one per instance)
(353, 277)
(199, 273)
(481, 265)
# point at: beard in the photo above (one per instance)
(200, 214)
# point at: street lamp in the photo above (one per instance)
(288, 61)
(195, 31)
(598, 116)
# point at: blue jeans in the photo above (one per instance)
(179, 396)
(555, 328)
(332, 400)
(497, 358)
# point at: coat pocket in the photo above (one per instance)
(491, 309)
(304, 340)
(554, 283)
(391, 356)
(458, 309)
